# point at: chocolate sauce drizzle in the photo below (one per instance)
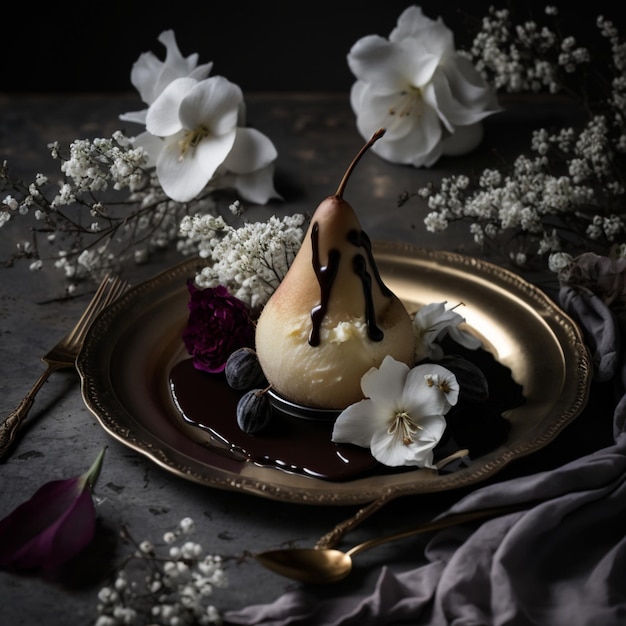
(360, 268)
(326, 277)
(362, 240)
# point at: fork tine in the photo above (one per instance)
(108, 291)
(63, 354)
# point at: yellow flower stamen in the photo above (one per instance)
(410, 103)
(434, 381)
(191, 139)
(403, 424)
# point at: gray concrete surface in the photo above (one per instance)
(316, 139)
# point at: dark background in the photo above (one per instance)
(262, 46)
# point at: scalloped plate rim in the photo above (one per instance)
(101, 394)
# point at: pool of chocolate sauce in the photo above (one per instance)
(304, 446)
(288, 443)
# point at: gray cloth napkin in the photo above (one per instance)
(560, 562)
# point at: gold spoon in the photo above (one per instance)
(325, 565)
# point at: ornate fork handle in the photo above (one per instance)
(12, 424)
(62, 355)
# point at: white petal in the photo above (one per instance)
(356, 424)
(420, 452)
(183, 179)
(464, 338)
(163, 117)
(376, 62)
(417, 62)
(212, 151)
(433, 319)
(357, 92)
(150, 76)
(413, 24)
(177, 66)
(138, 117)
(388, 449)
(213, 103)
(374, 113)
(428, 160)
(470, 89)
(143, 76)
(427, 315)
(433, 427)
(385, 384)
(251, 151)
(202, 71)
(414, 147)
(256, 187)
(419, 399)
(460, 102)
(393, 452)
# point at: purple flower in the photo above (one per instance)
(53, 526)
(218, 324)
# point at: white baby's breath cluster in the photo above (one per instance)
(106, 210)
(251, 260)
(567, 193)
(170, 589)
(523, 57)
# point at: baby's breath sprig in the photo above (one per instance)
(251, 260)
(567, 193)
(171, 589)
(106, 209)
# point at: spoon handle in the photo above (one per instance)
(331, 538)
(453, 519)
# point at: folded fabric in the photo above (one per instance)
(561, 562)
(588, 310)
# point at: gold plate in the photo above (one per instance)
(133, 345)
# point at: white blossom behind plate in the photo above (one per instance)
(566, 191)
(428, 97)
(150, 76)
(195, 130)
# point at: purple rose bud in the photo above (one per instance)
(218, 324)
(52, 527)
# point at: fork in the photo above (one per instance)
(62, 355)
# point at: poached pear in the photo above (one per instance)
(332, 318)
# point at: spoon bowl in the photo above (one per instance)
(308, 565)
(327, 565)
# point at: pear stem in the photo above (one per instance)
(344, 181)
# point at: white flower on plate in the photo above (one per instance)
(429, 98)
(431, 323)
(402, 418)
(195, 128)
(150, 76)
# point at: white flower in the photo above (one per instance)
(195, 129)
(431, 323)
(402, 418)
(150, 76)
(194, 137)
(429, 98)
